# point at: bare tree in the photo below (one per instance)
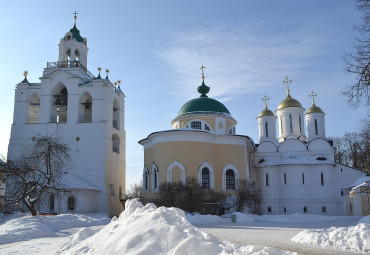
(31, 175)
(248, 195)
(136, 191)
(357, 62)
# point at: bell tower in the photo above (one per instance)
(73, 48)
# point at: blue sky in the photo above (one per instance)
(157, 47)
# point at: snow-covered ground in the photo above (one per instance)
(151, 230)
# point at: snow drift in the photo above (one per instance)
(355, 238)
(151, 230)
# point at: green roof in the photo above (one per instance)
(76, 34)
(203, 104)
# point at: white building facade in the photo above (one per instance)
(86, 113)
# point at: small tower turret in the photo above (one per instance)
(315, 121)
(73, 47)
(290, 117)
(267, 124)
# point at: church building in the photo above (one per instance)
(294, 170)
(86, 113)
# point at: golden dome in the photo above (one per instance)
(289, 102)
(314, 109)
(266, 112)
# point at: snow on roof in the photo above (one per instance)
(361, 182)
(70, 181)
(291, 158)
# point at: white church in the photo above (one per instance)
(294, 168)
(87, 113)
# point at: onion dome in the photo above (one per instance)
(266, 112)
(203, 104)
(313, 108)
(289, 102)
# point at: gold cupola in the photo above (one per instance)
(314, 108)
(289, 101)
(266, 111)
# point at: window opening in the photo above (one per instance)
(300, 124)
(290, 123)
(285, 209)
(115, 143)
(51, 202)
(71, 203)
(323, 209)
(305, 209)
(316, 129)
(269, 209)
(267, 180)
(111, 189)
(206, 127)
(196, 125)
(303, 178)
(230, 180)
(285, 178)
(266, 129)
(281, 124)
(205, 178)
(322, 179)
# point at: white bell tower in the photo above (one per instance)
(73, 48)
(267, 124)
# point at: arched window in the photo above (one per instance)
(198, 124)
(284, 178)
(85, 108)
(206, 178)
(266, 129)
(33, 111)
(173, 169)
(77, 55)
(115, 143)
(281, 124)
(305, 209)
(115, 114)
(230, 180)
(285, 209)
(316, 129)
(300, 124)
(269, 210)
(155, 176)
(323, 209)
(231, 131)
(146, 179)
(59, 104)
(71, 203)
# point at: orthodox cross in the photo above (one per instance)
(202, 67)
(287, 82)
(75, 17)
(265, 98)
(313, 95)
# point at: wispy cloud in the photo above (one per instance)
(239, 59)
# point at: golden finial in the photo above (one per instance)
(107, 71)
(25, 74)
(265, 98)
(313, 95)
(119, 82)
(115, 84)
(287, 82)
(75, 16)
(202, 67)
(99, 69)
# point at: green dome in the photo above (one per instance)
(76, 34)
(289, 102)
(203, 104)
(266, 112)
(314, 109)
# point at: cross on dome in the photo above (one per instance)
(202, 67)
(287, 82)
(266, 99)
(313, 95)
(75, 16)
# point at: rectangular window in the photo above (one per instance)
(111, 188)
(267, 180)
(316, 129)
(120, 192)
(267, 129)
(322, 179)
(284, 178)
(290, 123)
(196, 125)
(300, 124)
(303, 178)
(281, 125)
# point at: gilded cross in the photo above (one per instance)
(287, 82)
(202, 67)
(266, 99)
(75, 17)
(313, 95)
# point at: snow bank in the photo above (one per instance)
(151, 230)
(355, 238)
(31, 227)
